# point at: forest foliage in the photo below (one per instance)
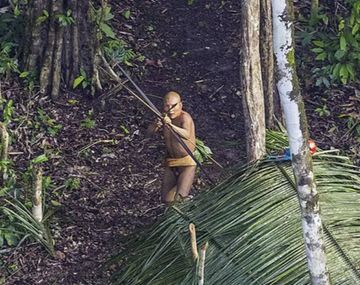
(331, 51)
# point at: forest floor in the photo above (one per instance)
(192, 49)
(119, 168)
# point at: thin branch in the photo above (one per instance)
(94, 143)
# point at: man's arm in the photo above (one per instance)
(154, 127)
(185, 130)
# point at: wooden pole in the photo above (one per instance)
(202, 263)
(4, 150)
(37, 209)
(194, 249)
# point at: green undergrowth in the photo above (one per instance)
(252, 225)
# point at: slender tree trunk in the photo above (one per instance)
(37, 209)
(251, 80)
(4, 152)
(36, 32)
(296, 125)
(267, 61)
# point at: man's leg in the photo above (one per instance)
(185, 180)
(168, 189)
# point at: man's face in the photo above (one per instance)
(172, 107)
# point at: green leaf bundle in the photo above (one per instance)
(252, 223)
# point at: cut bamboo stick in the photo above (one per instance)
(37, 209)
(4, 150)
(201, 272)
(194, 249)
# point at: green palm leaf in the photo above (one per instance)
(253, 226)
(25, 221)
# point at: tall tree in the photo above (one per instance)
(267, 61)
(63, 42)
(296, 125)
(251, 80)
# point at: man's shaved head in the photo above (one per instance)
(172, 95)
(172, 104)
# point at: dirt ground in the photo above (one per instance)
(119, 168)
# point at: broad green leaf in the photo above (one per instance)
(342, 42)
(319, 43)
(24, 74)
(317, 50)
(42, 18)
(83, 72)
(207, 150)
(128, 63)
(11, 238)
(351, 71)
(344, 74)
(55, 203)
(127, 14)
(40, 159)
(339, 54)
(336, 69)
(17, 11)
(8, 111)
(73, 101)
(108, 17)
(107, 30)
(341, 25)
(325, 19)
(78, 80)
(321, 56)
(352, 20)
(355, 28)
(107, 14)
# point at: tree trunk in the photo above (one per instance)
(296, 125)
(267, 61)
(4, 153)
(37, 209)
(54, 45)
(251, 80)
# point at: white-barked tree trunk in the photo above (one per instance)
(296, 125)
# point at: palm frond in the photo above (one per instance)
(25, 221)
(252, 222)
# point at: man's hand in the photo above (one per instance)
(154, 127)
(166, 119)
(158, 123)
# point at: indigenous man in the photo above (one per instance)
(179, 166)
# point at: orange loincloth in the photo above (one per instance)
(182, 161)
